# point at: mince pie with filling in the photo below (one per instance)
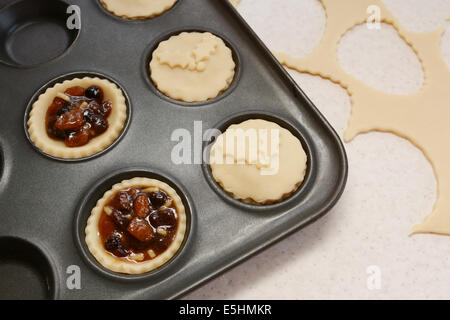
(137, 226)
(77, 118)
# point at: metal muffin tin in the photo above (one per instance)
(45, 202)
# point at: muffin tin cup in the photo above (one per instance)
(61, 79)
(222, 95)
(294, 128)
(30, 271)
(25, 27)
(89, 201)
(62, 192)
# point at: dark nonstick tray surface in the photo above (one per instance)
(45, 202)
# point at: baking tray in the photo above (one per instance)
(45, 202)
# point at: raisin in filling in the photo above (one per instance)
(78, 115)
(138, 225)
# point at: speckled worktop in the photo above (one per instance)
(391, 186)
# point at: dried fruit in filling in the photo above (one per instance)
(78, 115)
(138, 224)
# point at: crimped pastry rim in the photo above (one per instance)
(151, 14)
(168, 90)
(56, 148)
(228, 190)
(121, 266)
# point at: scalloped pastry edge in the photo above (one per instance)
(192, 98)
(281, 196)
(121, 266)
(151, 14)
(56, 148)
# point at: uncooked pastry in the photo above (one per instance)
(137, 9)
(57, 148)
(192, 66)
(235, 2)
(270, 169)
(115, 264)
(422, 118)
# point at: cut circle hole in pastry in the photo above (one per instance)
(258, 182)
(381, 59)
(77, 116)
(137, 226)
(192, 67)
(304, 36)
(137, 9)
(332, 100)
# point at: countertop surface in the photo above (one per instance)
(361, 248)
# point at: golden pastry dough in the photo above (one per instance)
(257, 161)
(137, 9)
(57, 148)
(115, 264)
(192, 66)
(235, 2)
(421, 117)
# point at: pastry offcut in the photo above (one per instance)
(192, 66)
(258, 162)
(421, 118)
